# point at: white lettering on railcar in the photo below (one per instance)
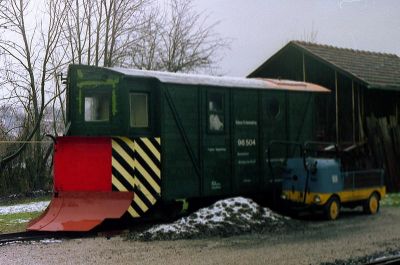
(246, 142)
(215, 185)
(244, 122)
(216, 149)
(247, 162)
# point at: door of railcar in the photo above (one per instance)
(216, 147)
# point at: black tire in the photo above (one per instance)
(371, 205)
(332, 208)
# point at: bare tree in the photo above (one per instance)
(28, 67)
(310, 35)
(179, 39)
(95, 32)
(98, 32)
(140, 34)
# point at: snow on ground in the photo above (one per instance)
(24, 208)
(391, 199)
(50, 241)
(19, 221)
(225, 217)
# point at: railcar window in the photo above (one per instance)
(97, 108)
(216, 112)
(139, 111)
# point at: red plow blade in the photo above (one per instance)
(81, 211)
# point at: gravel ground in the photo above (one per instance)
(312, 242)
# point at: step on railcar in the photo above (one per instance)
(139, 139)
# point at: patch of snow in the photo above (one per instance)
(224, 81)
(44, 241)
(225, 217)
(24, 208)
(19, 221)
(50, 241)
(12, 243)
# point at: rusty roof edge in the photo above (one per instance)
(285, 84)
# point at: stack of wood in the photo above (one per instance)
(384, 141)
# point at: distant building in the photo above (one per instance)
(363, 84)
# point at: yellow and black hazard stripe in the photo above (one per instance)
(136, 166)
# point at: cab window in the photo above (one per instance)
(97, 108)
(139, 110)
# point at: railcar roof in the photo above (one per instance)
(195, 79)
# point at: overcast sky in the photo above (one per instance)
(259, 28)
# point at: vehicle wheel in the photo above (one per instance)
(371, 206)
(332, 209)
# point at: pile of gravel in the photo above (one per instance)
(224, 218)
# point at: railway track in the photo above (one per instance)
(109, 229)
(385, 261)
(37, 236)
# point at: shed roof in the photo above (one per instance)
(195, 79)
(376, 70)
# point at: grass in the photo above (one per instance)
(16, 222)
(391, 199)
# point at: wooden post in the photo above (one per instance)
(353, 110)
(397, 111)
(337, 108)
(360, 113)
(304, 68)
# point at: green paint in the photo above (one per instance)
(80, 100)
(113, 82)
(185, 205)
(91, 80)
(79, 74)
(114, 102)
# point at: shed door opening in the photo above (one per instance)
(139, 111)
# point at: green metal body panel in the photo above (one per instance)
(197, 161)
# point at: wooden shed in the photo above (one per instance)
(365, 101)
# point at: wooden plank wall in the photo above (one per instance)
(384, 141)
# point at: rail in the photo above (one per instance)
(37, 236)
(384, 261)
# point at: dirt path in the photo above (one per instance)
(312, 242)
